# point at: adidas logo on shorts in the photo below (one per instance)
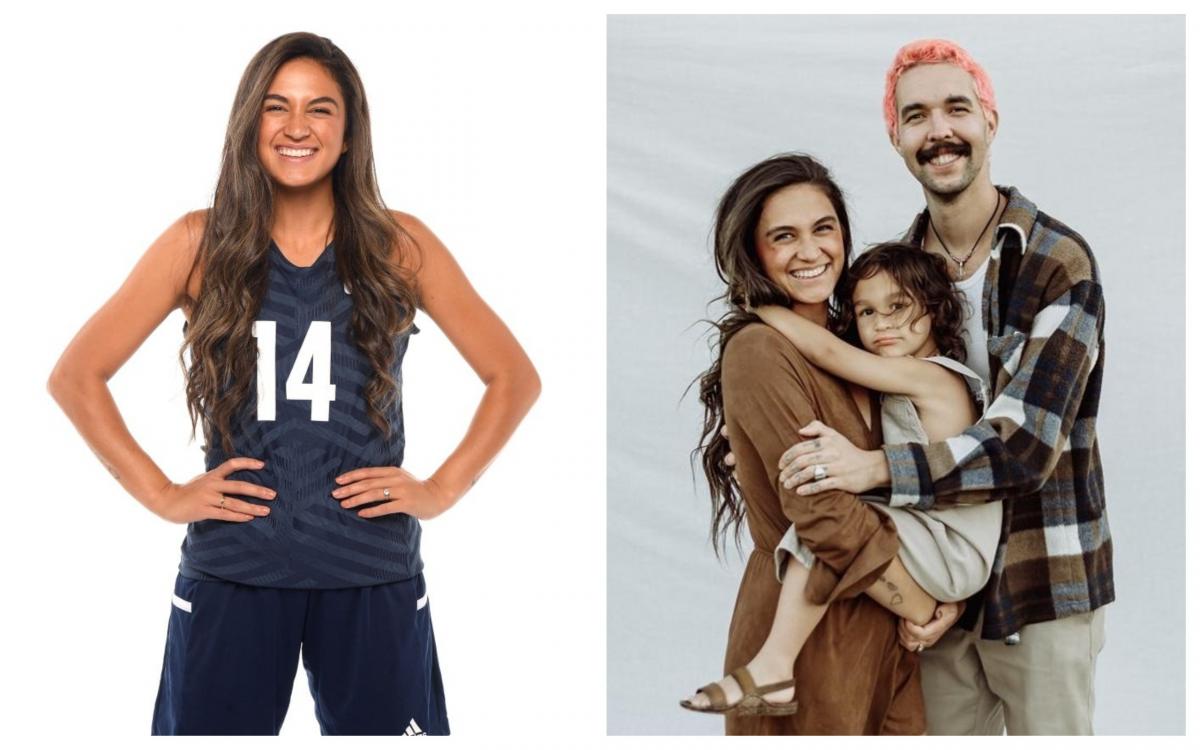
(413, 730)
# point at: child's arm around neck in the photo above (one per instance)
(907, 376)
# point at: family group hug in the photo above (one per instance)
(909, 436)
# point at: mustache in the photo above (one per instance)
(960, 149)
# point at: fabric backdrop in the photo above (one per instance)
(1091, 129)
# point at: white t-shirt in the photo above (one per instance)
(973, 334)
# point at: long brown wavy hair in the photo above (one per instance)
(738, 265)
(233, 251)
(924, 278)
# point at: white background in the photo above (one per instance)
(487, 131)
(1091, 130)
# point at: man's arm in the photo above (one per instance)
(1015, 446)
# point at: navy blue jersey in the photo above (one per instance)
(309, 423)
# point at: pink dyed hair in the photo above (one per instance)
(929, 52)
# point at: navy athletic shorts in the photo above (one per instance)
(232, 651)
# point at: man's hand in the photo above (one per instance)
(828, 461)
(920, 637)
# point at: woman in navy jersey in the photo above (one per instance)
(299, 288)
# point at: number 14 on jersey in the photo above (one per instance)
(315, 351)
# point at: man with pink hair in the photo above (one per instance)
(1020, 655)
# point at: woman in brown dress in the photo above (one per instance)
(782, 237)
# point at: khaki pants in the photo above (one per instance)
(1042, 685)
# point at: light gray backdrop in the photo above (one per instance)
(1091, 129)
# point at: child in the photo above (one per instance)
(907, 315)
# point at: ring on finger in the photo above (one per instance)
(920, 647)
(387, 493)
(223, 499)
(820, 473)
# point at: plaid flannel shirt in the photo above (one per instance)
(1035, 447)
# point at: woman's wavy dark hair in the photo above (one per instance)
(233, 258)
(924, 278)
(738, 265)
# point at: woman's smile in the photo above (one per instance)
(805, 274)
(295, 154)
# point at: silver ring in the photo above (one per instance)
(920, 647)
(386, 493)
(819, 472)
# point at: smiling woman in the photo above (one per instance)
(799, 241)
(301, 133)
(781, 238)
(299, 287)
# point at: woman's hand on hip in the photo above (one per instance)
(828, 461)
(400, 491)
(207, 496)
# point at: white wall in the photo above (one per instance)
(1091, 129)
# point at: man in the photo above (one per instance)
(1022, 657)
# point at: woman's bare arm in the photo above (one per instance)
(512, 384)
(79, 381)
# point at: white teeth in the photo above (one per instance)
(811, 273)
(942, 159)
(296, 151)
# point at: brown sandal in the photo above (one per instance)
(751, 703)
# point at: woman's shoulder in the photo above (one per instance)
(183, 235)
(407, 221)
(414, 239)
(186, 233)
(756, 347)
(761, 369)
(198, 216)
(759, 339)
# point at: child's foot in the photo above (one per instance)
(761, 673)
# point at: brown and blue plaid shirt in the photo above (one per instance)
(1035, 448)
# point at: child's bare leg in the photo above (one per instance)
(795, 619)
(897, 591)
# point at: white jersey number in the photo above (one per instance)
(315, 351)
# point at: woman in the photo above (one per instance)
(299, 288)
(782, 237)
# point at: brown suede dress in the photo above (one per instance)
(852, 677)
